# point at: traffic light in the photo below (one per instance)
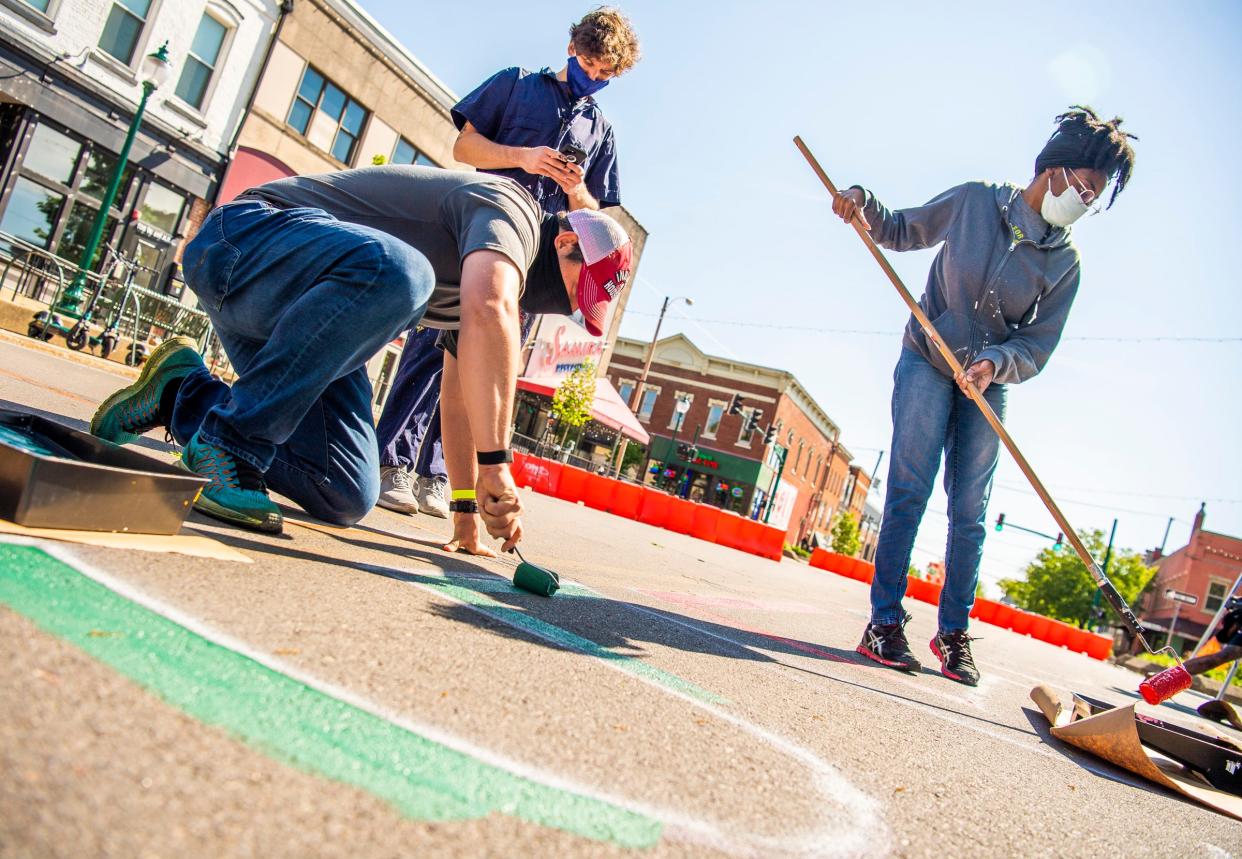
(735, 404)
(1060, 540)
(752, 422)
(770, 435)
(692, 454)
(1000, 521)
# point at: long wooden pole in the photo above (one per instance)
(1101, 580)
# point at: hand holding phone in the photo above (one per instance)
(573, 153)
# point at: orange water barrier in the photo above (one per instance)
(649, 506)
(1037, 626)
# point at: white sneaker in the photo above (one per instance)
(433, 496)
(396, 492)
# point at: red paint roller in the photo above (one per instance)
(1155, 689)
(1159, 688)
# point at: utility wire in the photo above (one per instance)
(871, 332)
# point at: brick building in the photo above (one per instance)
(736, 469)
(1207, 567)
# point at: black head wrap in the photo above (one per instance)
(1083, 140)
(545, 288)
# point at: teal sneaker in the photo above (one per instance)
(135, 410)
(236, 493)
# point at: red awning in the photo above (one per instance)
(609, 409)
(250, 168)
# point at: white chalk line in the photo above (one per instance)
(952, 718)
(868, 835)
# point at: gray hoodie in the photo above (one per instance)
(1001, 286)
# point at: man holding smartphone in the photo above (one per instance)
(545, 131)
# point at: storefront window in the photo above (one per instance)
(77, 230)
(98, 174)
(161, 208)
(52, 154)
(31, 213)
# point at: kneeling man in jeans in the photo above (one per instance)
(306, 278)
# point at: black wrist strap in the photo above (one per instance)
(464, 505)
(494, 457)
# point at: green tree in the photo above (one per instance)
(845, 535)
(571, 404)
(1058, 585)
(635, 456)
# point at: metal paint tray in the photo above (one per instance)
(55, 477)
(1216, 759)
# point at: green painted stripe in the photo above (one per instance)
(289, 720)
(472, 591)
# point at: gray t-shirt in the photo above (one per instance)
(443, 214)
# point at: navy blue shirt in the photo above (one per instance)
(515, 107)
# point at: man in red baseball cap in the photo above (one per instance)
(306, 278)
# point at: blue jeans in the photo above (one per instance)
(300, 302)
(409, 426)
(931, 415)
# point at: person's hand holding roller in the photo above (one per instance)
(499, 504)
(848, 203)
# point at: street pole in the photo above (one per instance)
(1177, 607)
(776, 484)
(73, 295)
(1166, 536)
(636, 398)
(1108, 556)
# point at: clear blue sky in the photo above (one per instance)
(910, 99)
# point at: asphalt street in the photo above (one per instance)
(358, 692)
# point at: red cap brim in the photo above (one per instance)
(599, 284)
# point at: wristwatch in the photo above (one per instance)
(494, 457)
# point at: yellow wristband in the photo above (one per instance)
(464, 495)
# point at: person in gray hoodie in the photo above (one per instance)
(999, 292)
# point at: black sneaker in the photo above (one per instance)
(887, 645)
(953, 651)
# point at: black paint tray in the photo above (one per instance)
(55, 477)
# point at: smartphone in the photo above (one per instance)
(573, 153)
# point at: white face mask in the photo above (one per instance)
(1062, 209)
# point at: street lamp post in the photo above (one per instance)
(156, 70)
(680, 407)
(636, 398)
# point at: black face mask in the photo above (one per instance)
(545, 288)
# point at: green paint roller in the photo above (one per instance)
(536, 579)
